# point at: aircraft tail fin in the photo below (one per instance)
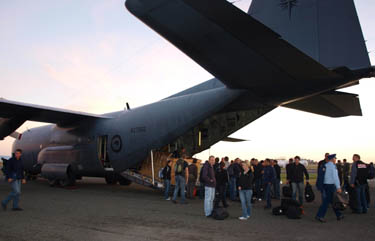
(327, 30)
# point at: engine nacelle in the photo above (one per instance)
(55, 171)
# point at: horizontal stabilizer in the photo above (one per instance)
(231, 139)
(332, 104)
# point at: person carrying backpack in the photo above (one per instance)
(181, 173)
(167, 179)
(192, 180)
(358, 180)
(209, 180)
(328, 183)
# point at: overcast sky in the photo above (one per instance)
(94, 56)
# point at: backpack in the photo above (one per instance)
(278, 211)
(309, 193)
(320, 178)
(219, 213)
(179, 168)
(294, 212)
(286, 203)
(287, 191)
(371, 172)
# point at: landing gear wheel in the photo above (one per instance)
(52, 182)
(110, 179)
(123, 181)
(70, 179)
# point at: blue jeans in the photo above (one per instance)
(268, 194)
(233, 188)
(361, 197)
(300, 186)
(180, 185)
(276, 188)
(328, 192)
(245, 196)
(15, 194)
(167, 186)
(209, 196)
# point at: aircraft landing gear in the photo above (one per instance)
(70, 179)
(110, 178)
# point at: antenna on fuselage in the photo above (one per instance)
(127, 106)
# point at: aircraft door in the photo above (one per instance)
(103, 152)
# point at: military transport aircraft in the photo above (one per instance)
(294, 53)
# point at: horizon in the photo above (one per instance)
(100, 57)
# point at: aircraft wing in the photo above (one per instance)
(233, 46)
(13, 114)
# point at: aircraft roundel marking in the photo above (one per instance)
(116, 143)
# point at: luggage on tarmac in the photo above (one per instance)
(309, 193)
(340, 201)
(278, 211)
(219, 213)
(353, 202)
(294, 212)
(287, 191)
(288, 202)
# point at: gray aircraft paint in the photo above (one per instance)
(252, 78)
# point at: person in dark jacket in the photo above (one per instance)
(245, 186)
(209, 180)
(287, 168)
(15, 176)
(358, 180)
(339, 171)
(296, 178)
(192, 179)
(276, 183)
(234, 171)
(269, 176)
(345, 173)
(221, 184)
(167, 179)
(258, 179)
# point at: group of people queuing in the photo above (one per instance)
(255, 181)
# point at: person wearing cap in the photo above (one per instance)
(331, 185)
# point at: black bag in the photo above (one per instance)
(278, 211)
(219, 213)
(294, 212)
(353, 202)
(340, 201)
(287, 191)
(309, 193)
(287, 202)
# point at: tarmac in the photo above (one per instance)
(97, 211)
